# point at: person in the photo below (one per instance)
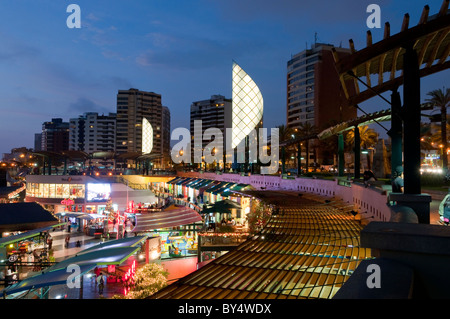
(369, 176)
(78, 243)
(67, 241)
(444, 209)
(49, 242)
(101, 284)
(397, 182)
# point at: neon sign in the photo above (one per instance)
(67, 201)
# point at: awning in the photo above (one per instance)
(193, 182)
(176, 179)
(217, 187)
(114, 252)
(124, 242)
(5, 241)
(202, 183)
(209, 186)
(81, 215)
(166, 219)
(52, 278)
(110, 256)
(183, 183)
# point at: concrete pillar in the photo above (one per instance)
(299, 159)
(283, 160)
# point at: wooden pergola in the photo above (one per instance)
(400, 59)
(384, 60)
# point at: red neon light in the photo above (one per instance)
(67, 202)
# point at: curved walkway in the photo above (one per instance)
(308, 249)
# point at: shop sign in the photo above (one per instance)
(67, 202)
(13, 258)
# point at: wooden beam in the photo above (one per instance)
(381, 68)
(425, 45)
(436, 47)
(394, 62)
(369, 38)
(445, 55)
(405, 23)
(387, 30)
(444, 8)
(352, 46)
(424, 16)
(389, 85)
(354, 60)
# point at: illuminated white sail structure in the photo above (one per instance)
(247, 105)
(147, 136)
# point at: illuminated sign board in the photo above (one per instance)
(97, 192)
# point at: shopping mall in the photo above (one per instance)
(86, 194)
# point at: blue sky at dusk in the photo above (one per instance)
(181, 49)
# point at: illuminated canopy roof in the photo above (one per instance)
(247, 105)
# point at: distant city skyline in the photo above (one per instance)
(182, 50)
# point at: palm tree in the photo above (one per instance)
(307, 129)
(368, 138)
(441, 100)
(284, 133)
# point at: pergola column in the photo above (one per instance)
(357, 150)
(341, 154)
(411, 118)
(395, 132)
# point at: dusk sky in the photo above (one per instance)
(181, 49)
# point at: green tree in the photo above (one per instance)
(258, 217)
(148, 280)
(307, 129)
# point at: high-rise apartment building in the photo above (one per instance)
(315, 95)
(92, 132)
(55, 136)
(314, 92)
(213, 113)
(133, 106)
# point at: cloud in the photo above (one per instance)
(189, 52)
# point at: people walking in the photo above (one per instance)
(67, 240)
(101, 284)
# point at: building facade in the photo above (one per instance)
(92, 132)
(55, 136)
(315, 95)
(133, 106)
(314, 92)
(213, 113)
